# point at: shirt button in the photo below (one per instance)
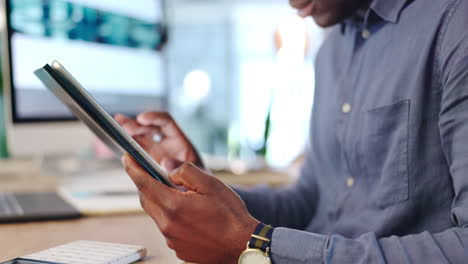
(346, 108)
(350, 182)
(365, 33)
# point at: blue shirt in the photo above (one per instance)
(386, 173)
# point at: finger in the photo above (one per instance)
(192, 178)
(146, 133)
(160, 119)
(155, 118)
(132, 127)
(159, 214)
(135, 126)
(121, 119)
(146, 184)
(170, 164)
(151, 208)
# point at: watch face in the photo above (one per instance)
(254, 256)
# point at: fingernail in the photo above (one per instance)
(124, 159)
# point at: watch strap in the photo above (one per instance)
(261, 238)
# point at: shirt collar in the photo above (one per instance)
(388, 10)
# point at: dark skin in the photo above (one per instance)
(205, 222)
(172, 150)
(329, 12)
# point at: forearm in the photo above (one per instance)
(293, 247)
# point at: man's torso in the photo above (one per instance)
(376, 146)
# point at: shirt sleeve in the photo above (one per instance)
(297, 247)
(448, 246)
(292, 206)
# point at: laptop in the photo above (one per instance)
(32, 206)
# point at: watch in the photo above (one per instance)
(258, 247)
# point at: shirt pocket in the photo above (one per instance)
(385, 152)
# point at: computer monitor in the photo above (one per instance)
(112, 47)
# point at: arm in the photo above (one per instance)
(292, 206)
(265, 203)
(448, 246)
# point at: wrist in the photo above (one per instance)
(258, 247)
(245, 233)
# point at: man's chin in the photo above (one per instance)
(327, 20)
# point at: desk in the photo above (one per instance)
(17, 240)
(21, 239)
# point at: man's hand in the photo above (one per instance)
(206, 224)
(172, 146)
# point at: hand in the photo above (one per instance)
(173, 148)
(206, 224)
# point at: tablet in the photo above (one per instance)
(67, 89)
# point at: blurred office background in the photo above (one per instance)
(240, 72)
(242, 75)
(237, 75)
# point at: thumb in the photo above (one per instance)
(170, 164)
(192, 178)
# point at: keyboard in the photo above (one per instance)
(9, 205)
(89, 252)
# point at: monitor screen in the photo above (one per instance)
(113, 48)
